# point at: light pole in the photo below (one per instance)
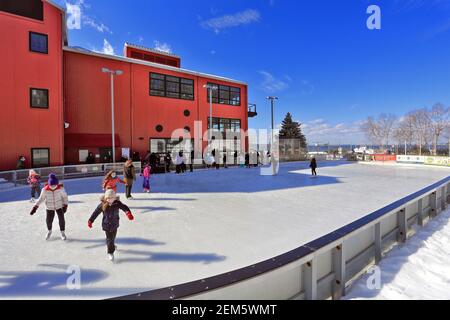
(112, 73)
(272, 101)
(210, 87)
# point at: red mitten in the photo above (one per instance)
(130, 216)
(90, 224)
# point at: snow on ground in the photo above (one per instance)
(418, 269)
(192, 226)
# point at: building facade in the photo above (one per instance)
(56, 103)
(31, 86)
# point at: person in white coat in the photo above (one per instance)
(56, 200)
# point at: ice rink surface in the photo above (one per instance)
(191, 226)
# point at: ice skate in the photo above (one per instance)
(63, 236)
(49, 233)
(111, 257)
(32, 200)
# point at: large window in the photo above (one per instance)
(171, 87)
(224, 125)
(38, 42)
(40, 157)
(225, 95)
(39, 98)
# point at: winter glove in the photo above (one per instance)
(33, 211)
(65, 208)
(90, 224)
(130, 216)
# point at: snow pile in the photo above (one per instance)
(418, 269)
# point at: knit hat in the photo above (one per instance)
(31, 172)
(110, 194)
(52, 180)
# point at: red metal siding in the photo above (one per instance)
(22, 127)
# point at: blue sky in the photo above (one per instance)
(318, 56)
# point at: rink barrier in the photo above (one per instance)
(11, 179)
(323, 268)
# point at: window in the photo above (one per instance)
(40, 157)
(171, 87)
(225, 95)
(224, 125)
(38, 42)
(39, 98)
(33, 9)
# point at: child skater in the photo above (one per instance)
(55, 198)
(313, 166)
(109, 206)
(146, 174)
(34, 180)
(111, 180)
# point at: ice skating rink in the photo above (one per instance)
(192, 226)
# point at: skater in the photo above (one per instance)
(111, 180)
(34, 180)
(179, 163)
(167, 161)
(313, 166)
(191, 163)
(224, 159)
(55, 198)
(20, 163)
(110, 206)
(146, 174)
(129, 174)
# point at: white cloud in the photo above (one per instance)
(77, 17)
(141, 39)
(100, 27)
(213, 52)
(107, 48)
(161, 46)
(321, 131)
(233, 20)
(306, 87)
(271, 84)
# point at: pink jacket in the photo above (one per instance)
(146, 172)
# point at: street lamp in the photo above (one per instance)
(272, 101)
(112, 73)
(210, 87)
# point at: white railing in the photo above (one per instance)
(11, 179)
(323, 268)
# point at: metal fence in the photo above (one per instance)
(323, 268)
(11, 179)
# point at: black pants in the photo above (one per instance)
(191, 167)
(51, 216)
(35, 190)
(128, 188)
(313, 171)
(110, 239)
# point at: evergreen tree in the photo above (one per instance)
(292, 130)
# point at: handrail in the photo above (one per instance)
(15, 177)
(201, 286)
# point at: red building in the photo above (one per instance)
(31, 96)
(154, 96)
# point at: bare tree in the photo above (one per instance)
(439, 122)
(404, 132)
(372, 131)
(422, 127)
(379, 131)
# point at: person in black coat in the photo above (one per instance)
(313, 166)
(110, 206)
(191, 164)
